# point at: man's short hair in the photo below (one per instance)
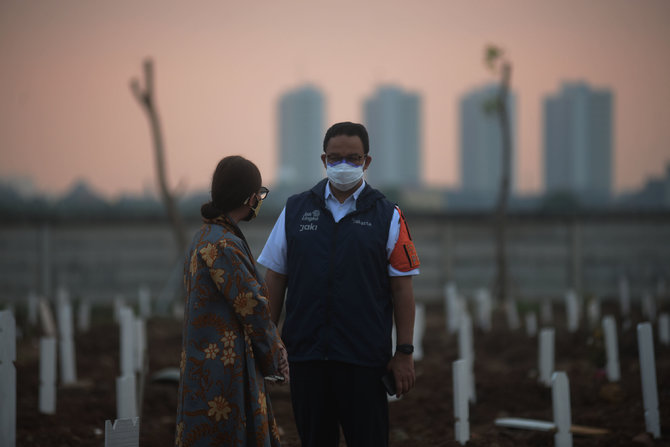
(349, 129)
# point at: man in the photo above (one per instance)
(344, 255)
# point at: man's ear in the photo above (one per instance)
(323, 160)
(368, 159)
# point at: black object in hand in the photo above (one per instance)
(389, 383)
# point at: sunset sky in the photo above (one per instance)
(67, 113)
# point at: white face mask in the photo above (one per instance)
(344, 176)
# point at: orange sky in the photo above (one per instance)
(66, 111)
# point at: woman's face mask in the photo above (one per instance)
(344, 175)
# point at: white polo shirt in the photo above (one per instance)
(273, 255)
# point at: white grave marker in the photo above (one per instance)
(484, 308)
(513, 320)
(7, 379)
(461, 410)
(126, 397)
(466, 353)
(140, 344)
(645, 343)
(68, 368)
(419, 329)
(572, 311)
(546, 356)
(47, 319)
(560, 393)
(453, 308)
(611, 349)
(47, 391)
(126, 340)
(123, 433)
(531, 324)
(664, 329)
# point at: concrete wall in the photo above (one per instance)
(545, 255)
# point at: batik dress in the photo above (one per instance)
(229, 345)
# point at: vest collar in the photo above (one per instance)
(365, 198)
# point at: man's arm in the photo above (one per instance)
(401, 364)
(276, 283)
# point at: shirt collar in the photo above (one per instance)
(329, 193)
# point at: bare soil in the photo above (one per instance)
(505, 374)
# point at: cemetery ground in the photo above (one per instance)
(505, 369)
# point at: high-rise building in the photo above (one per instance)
(481, 144)
(578, 143)
(393, 119)
(301, 128)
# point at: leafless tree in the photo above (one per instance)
(147, 100)
(499, 64)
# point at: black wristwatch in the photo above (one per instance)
(405, 349)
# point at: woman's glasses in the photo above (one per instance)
(263, 193)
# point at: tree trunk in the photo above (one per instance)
(501, 285)
(146, 99)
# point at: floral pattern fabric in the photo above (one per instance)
(229, 345)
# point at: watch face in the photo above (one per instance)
(405, 349)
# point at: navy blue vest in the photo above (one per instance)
(338, 304)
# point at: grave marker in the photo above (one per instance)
(546, 356)
(512, 313)
(531, 324)
(484, 308)
(123, 433)
(572, 311)
(560, 393)
(68, 368)
(419, 329)
(47, 319)
(453, 308)
(645, 343)
(126, 397)
(466, 353)
(47, 390)
(7, 379)
(611, 349)
(461, 410)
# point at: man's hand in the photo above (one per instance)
(402, 366)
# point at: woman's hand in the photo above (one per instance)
(283, 364)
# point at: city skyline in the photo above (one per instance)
(66, 112)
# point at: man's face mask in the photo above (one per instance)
(344, 175)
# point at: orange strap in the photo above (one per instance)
(404, 257)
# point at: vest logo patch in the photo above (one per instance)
(308, 227)
(311, 216)
(364, 223)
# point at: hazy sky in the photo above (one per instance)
(66, 111)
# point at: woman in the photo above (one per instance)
(229, 341)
